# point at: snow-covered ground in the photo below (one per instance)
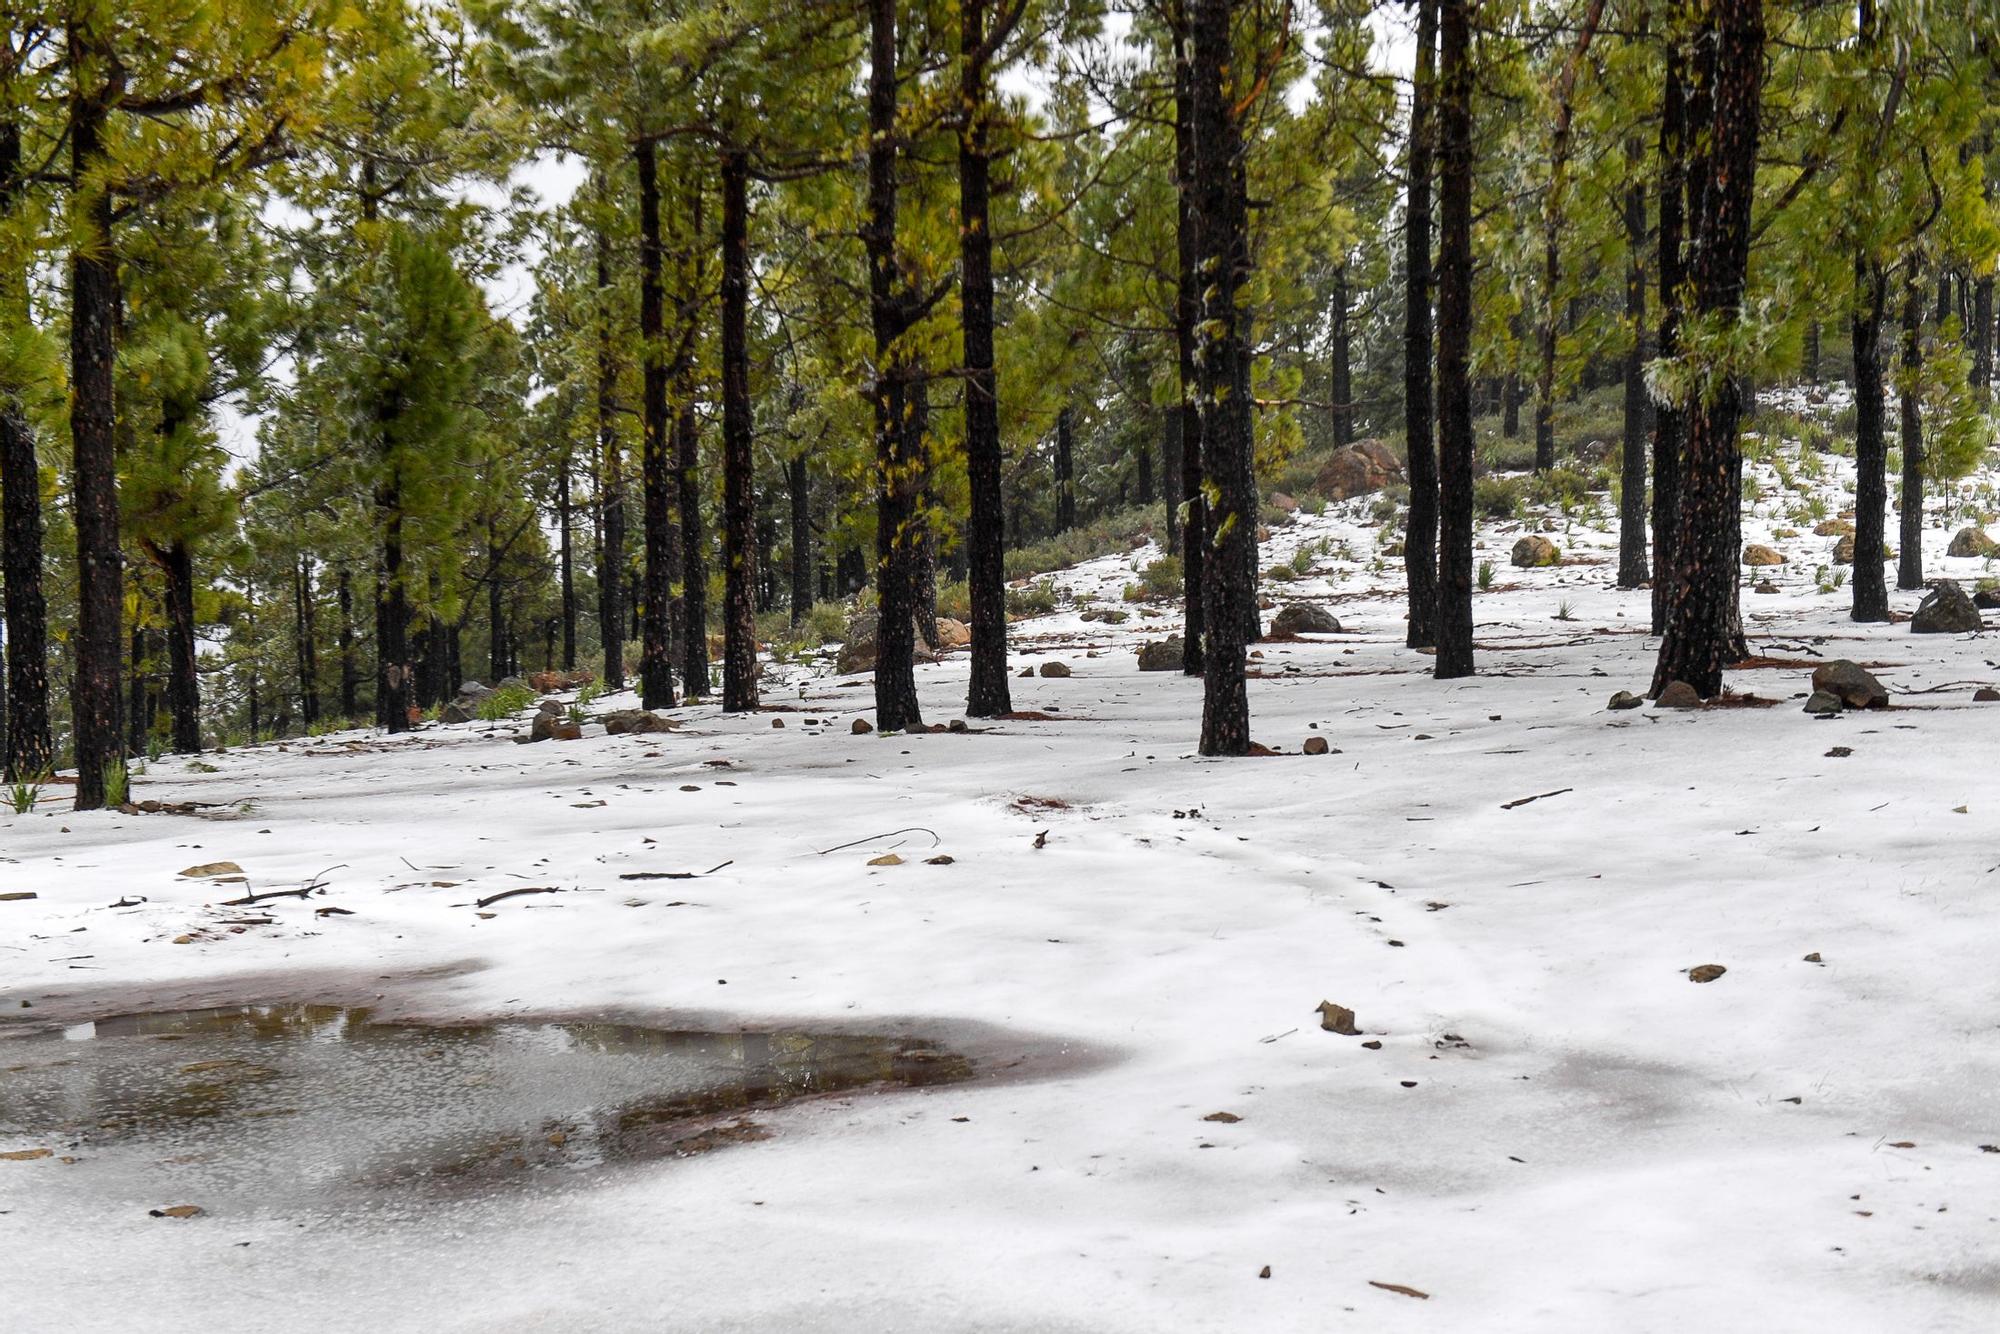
(1558, 1130)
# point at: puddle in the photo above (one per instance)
(304, 1107)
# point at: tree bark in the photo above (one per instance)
(1454, 342)
(893, 308)
(694, 562)
(1910, 561)
(1187, 316)
(1703, 632)
(656, 667)
(739, 497)
(304, 621)
(1421, 527)
(1632, 479)
(30, 749)
(1065, 471)
(566, 537)
(1223, 381)
(987, 694)
(395, 678)
(1342, 376)
(611, 488)
(93, 414)
(1668, 430)
(798, 483)
(1871, 489)
(350, 668)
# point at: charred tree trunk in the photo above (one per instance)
(1454, 341)
(893, 308)
(1910, 562)
(93, 415)
(798, 483)
(1420, 563)
(307, 625)
(1811, 367)
(1343, 361)
(739, 497)
(1632, 477)
(1667, 414)
(694, 563)
(1703, 632)
(1170, 475)
(656, 667)
(611, 488)
(496, 608)
(350, 667)
(1223, 381)
(1871, 450)
(987, 694)
(395, 675)
(1065, 472)
(30, 749)
(566, 537)
(1187, 316)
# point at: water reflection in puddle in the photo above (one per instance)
(312, 1105)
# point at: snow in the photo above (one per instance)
(1600, 1143)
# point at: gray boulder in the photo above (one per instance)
(1945, 610)
(1850, 684)
(1304, 618)
(1163, 655)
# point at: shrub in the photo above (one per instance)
(1036, 599)
(1497, 497)
(1562, 487)
(504, 703)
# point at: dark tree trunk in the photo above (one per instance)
(694, 564)
(1142, 461)
(566, 536)
(176, 564)
(923, 574)
(1065, 472)
(1871, 487)
(656, 666)
(1454, 341)
(1420, 535)
(1632, 478)
(496, 609)
(1703, 630)
(893, 308)
(1170, 475)
(739, 497)
(350, 668)
(395, 682)
(1223, 381)
(136, 715)
(1910, 562)
(798, 483)
(306, 623)
(1668, 432)
(1343, 361)
(987, 693)
(1812, 353)
(30, 750)
(1187, 316)
(1510, 405)
(611, 488)
(93, 415)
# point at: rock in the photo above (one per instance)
(1706, 972)
(1533, 551)
(1757, 554)
(207, 869)
(1833, 528)
(1337, 1019)
(1163, 655)
(543, 728)
(620, 721)
(861, 726)
(1108, 615)
(1945, 610)
(549, 706)
(1393, 549)
(176, 1211)
(1625, 699)
(1357, 469)
(1678, 695)
(1765, 586)
(1283, 502)
(1843, 550)
(568, 731)
(952, 634)
(473, 690)
(958, 725)
(1987, 599)
(1315, 745)
(1852, 685)
(1026, 673)
(857, 646)
(1823, 704)
(1055, 669)
(456, 712)
(777, 722)
(514, 683)
(1304, 618)
(1986, 695)
(1972, 542)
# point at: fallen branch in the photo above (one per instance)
(492, 899)
(248, 899)
(913, 829)
(676, 875)
(1522, 801)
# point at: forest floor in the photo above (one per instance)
(1558, 1131)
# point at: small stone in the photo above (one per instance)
(1706, 972)
(1303, 618)
(1315, 745)
(1337, 1019)
(860, 726)
(1823, 704)
(1055, 669)
(957, 725)
(1625, 699)
(1839, 752)
(1265, 1272)
(1985, 695)
(1765, 586)
(1833, 528)
(777, 723)
(1373, 1044)
(1843, 550)
(886, 859)
(1757, 554)
(183, 940)
(176, 1211)
(1226, 1118)
(568, 731)
(207, 869)
(1814, 958)
(1852, 684)
(1026, 673)
(1678, 695)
